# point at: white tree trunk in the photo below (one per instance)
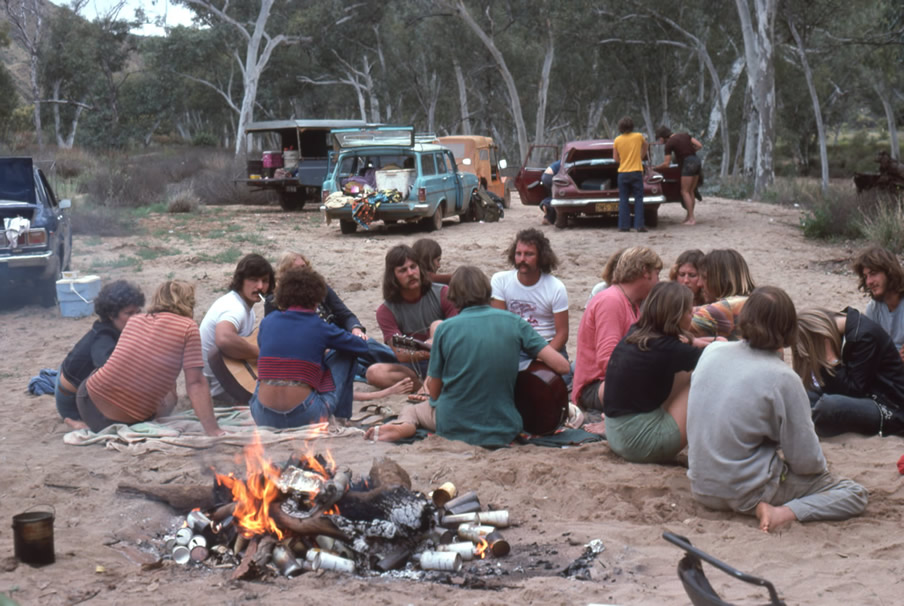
(543, 87)
(28, 29)
(717, 113)
(462, 98)
(759, 52)
(817, 110)
(507, 78)
(885, 97)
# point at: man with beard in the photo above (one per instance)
(882, 277)
(231, 318)
(412, 307)
(532, 292)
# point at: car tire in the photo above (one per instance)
(435, 223)
(561, 220)
(507, 198)
(291, 201)
(347, 226)
(651, 215)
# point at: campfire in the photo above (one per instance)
(310, 514)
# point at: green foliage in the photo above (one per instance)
(204, 140)
(885, 225)
(834, 216)
(228, 257)
(736, 188)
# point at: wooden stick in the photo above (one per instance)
(306, 526)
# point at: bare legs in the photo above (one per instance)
(688, 185)
(390, 432)
(676, 403)
(406, 385)
(385, 376)
(772, 518)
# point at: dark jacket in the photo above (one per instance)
(332, 310)
(871, 366)
(90, 352)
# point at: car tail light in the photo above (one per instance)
(421, 194)
(36, 237)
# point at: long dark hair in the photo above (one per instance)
(252, 266)
(396, 257)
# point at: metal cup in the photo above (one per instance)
(441, 560)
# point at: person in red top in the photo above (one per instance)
(685, 149)
(607, 319)
(138, 382)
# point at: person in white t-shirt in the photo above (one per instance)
(532, 292)
(231, 318)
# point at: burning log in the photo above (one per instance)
(247, 568)
(179, 497)
(307, 526)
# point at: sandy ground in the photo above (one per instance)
(562, 498)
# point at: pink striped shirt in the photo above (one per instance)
(151, 352)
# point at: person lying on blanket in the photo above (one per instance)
(138, 382)
(472, 370)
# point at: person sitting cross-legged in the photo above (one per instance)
(473, 369)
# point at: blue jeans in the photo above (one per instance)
(377, 353)
(630, 184)
(834, 414)
(318, 406)
(65, 401)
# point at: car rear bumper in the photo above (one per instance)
(397, 212)
(598, 205)
(28, 266)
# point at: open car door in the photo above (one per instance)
(527, 182)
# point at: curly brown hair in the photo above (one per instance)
(547, 260)
(300, 287)
(116, 296)
(877, 259)
(397, 256)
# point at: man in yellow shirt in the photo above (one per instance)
(629, 150)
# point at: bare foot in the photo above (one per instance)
(598, 428)
(391, 432)
(689, 222)
(773, 519)
(75, 424)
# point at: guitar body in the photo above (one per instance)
(238, 377)
(542, 399)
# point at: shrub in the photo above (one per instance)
(734, 187)
(204, 140)
(885, 224)
(89, 220)
(183, 200)
(216, 185)
(118, 183)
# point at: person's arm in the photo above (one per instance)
(389, 327)
(552, 358)
(449, 309)
(342, 315)
(796, 435)
(616, 156)
(697, 145)
(199, 394)
(228, 341)
(497, 304)
(434, 387)
(439, 278)
(609, 332)
(561, 336)
(857, 373)
(101, 349)
(667, 160)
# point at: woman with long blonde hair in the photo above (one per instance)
(852, 372)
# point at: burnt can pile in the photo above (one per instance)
(310, 522)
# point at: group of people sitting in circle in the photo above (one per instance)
(696, 362)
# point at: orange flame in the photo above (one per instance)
(254, 495)
(480, 550)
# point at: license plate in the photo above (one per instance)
(290, 188)
(606, 207)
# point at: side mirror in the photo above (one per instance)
(503, 164)
(67, 203)
(466, 161)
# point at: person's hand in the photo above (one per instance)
(359, 333)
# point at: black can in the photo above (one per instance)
(33, 537)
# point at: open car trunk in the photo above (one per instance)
(597, 174)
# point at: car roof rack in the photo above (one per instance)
(425, 137)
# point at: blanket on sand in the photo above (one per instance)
(183, 430)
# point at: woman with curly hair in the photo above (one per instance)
(648, 379)
(115, 304)
(852, 372)
(686, 270)
(306, 367)
(138, 382)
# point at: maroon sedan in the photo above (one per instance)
(586, 184)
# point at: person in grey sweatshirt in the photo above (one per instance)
(745, 407)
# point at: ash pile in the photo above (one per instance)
(310, 515)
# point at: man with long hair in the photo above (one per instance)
(413, 307)
(882, 278)
(752, 447)
(231, 318)
(532, 292)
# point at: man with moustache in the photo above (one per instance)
(882, 277)
(231, 318)
(413, 307)
(532, 292)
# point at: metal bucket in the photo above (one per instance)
(33, 537)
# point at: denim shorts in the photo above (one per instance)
(646, 437)
(313, 409)
(691, 166)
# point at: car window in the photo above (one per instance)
(494, 164)
(427, 165)
(48, 191)
(450, 163)
(441, 167)
(484, 155)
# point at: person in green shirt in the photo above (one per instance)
(472, 372)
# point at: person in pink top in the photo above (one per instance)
(607, 319)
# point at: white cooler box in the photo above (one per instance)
(400, 179)
(76, 295)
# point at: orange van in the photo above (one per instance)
(480, 156)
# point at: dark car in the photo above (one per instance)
(36, 240)
(586, 184)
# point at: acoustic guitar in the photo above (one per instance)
(541, 395)
(237, 377)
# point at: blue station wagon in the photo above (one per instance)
(385, 158)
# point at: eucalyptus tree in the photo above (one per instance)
(253, 36)
(10, 100)
(27, 20)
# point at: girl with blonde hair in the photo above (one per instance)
(852, 372)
